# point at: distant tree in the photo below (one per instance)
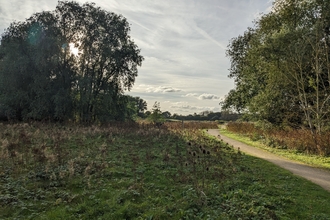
(41, 78)
(156, 114)
(189, 117)
(141, 106)
(166, 114)
(229, 116)
(214, 116)
(175, 116)
(205, 113)
(137, 105)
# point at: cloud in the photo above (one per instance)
(188, 108)
(206, 96)
(162, 89)
(191, 95)
(183, 106)
(208, 37)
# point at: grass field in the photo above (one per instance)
(132, 171)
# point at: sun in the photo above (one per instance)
(74, 50)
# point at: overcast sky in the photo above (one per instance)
(183, 43)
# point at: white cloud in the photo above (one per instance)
(204, 96)
(208, 37)
(183, 106)
(191, 95)
(208, 97)
(162, 89)
(188, 108)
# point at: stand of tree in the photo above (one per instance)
(157, 116)
(208, 116)
(73, 63)
(281, 66)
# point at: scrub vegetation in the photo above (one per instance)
(290, 143)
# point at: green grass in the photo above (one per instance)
(313, 160)
(134, 172)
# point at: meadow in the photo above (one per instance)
(139, 171)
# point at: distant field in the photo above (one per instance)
(138, 171)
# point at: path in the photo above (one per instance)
(315, 175)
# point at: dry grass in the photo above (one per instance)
(191, 125)
(301, 140)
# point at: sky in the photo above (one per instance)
(183, 42)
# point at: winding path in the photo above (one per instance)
(315, 175)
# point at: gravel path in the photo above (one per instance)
(315, 175)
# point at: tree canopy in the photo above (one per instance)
(281, 67)
(73, 63)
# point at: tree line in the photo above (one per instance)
(209, 116)
(70, 64)
(156, 115)
(281, 66)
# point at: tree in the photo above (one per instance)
(214, 116)
(281, 66)
(156, 115)
(304, 64)
(41, 78)
(34, 83)
(148, 113)
(247, 71)
(141, 106)
(137, 106)
(166, 114)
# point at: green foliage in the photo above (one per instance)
(132, 171)
(281, 66)
(156, 115)
(42, 79)
(138, 106)
(208, 116)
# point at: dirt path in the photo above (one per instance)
(315, 175)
